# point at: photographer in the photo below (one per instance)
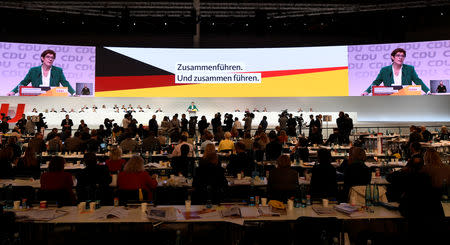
(41, 124)
(4, 126)
(300, 122)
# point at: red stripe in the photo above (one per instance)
(103, 84)
(133, 82)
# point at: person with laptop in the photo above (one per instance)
(397, 74)
(45, 75)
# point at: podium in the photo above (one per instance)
(396, 90)
(192, 113)
(43, 91)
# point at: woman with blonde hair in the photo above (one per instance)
(226, 144)
(435, 168)
(209, 180)
(134, 177)
(115, 162)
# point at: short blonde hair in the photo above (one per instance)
(134, 165)
(227, 135)
(115, 154)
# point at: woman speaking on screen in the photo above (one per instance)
(45, 75)
(397, 74)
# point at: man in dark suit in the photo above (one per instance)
(66, 123)
(153, 125)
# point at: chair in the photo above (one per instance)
(21, 192)
(313, 230)
(131, 196)
(61, 197)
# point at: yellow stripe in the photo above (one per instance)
(328, 83)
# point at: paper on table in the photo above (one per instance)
(249, 212)
(115, 212)
(41, 215)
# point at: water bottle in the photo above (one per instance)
(252, 201)
(444, 191)
(209, 197)
(178, 239)
(368, 196)
(376, 196)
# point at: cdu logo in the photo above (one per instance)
(20, 110)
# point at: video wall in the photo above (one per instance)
(20, 65)
(423, 68)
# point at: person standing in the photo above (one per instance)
(153, 125)
(66, 123)
(263, 124)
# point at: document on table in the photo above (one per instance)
(116, 212)
(40, 215)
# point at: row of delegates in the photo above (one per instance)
(96, 178)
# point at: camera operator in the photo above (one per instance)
(41, 124)
(4, 125)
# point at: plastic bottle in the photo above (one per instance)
(376, 195)
(209, 197)
(445, 191)
(178, 239)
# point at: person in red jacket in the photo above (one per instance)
(57, 179)
(115, 162)
(134, 177)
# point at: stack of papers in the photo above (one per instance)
(116, 212)
(247, 212)
(352, 211)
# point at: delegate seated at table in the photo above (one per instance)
(134, 177)
(115, 162)
(273, 148)
(93, 180)
(356, 173)
(282, 183)
(241, 161)
(323, 178)
(58, 180)
(28, 165)
(209, 181)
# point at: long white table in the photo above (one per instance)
(134, 214)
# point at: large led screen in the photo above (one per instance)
(71, 67)
(429, 60)
(416, 68)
